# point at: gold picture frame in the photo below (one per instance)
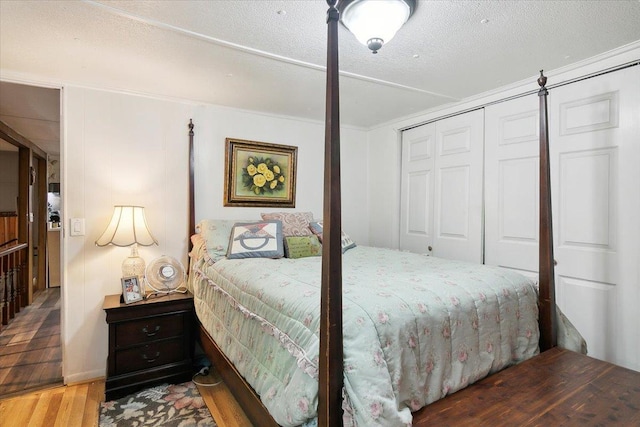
(259, 174)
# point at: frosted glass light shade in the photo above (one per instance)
(128, 226)
(375, 22)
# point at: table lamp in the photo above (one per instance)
(128, 227)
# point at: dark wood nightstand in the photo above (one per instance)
(150, 342)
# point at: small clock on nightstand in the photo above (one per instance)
(150, 342)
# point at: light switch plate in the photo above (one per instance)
(76, 227)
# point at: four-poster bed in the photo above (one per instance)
(330, 376)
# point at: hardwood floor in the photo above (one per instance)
(221, 403)
(558, 388)
(72, 406)
(79, 406)
(30, 350)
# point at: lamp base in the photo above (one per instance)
(133, 265)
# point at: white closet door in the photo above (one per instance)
(458, 196)
(595, 174)
(512, 184)
(417, 183)
(441, 194)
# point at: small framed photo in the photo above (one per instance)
(131, 291)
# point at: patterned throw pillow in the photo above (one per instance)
(216, 234)
(347, 243)
(302, 246)
(256, 240)
(293, 223)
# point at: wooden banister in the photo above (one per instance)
(12, 280)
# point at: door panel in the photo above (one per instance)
(441, 190)
(512, 184)
(594, 131)
(453, 197)
(458, 202)
(416, 197)
(594, 134)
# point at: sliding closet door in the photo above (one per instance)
(512, 184)
(594, 140)
(458, 188)
(595, 174)
(441, 194)
(416, 196)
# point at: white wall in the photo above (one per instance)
(384, 187)
(125, 149)
(214, 124)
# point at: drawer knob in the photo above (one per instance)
(153, 359)
(150, 334)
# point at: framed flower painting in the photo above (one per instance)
(259, 174)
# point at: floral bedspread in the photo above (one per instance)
(416, 328)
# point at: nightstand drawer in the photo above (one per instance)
(147, 330)
(150, 355)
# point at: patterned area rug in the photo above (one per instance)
(178, 405)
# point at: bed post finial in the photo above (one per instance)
(547, 294)
(542, 80)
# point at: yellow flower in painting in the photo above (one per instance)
(258, 175)
(259, 180)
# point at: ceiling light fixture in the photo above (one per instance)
(375, 22)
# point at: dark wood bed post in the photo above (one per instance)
(192, 204)
(547, 296)
(330, 376)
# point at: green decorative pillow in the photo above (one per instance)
(302, 246)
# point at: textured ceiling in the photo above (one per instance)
(269, 55)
